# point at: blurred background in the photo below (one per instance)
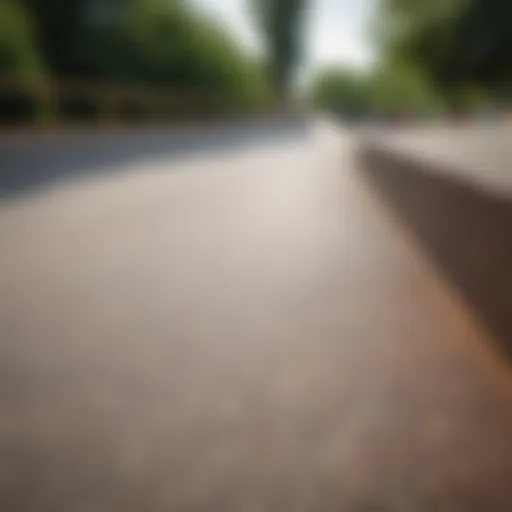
(127, 61)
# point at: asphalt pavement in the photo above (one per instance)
(252, 328)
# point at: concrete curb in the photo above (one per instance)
(479, 159)
(464, 228)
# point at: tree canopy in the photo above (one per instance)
(456, 43)
(282, 25)
(18, 49)
(390, 90)
(433, 55)
(163, 44)
(342, 91)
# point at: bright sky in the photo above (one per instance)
(337, 29)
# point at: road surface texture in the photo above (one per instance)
(255, 329)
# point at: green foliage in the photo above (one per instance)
(23, 77)
(18, 53)
(487, 39)
(281, 22)
(342, 91)
(151, 44)
(60, 27)
(166, 44)
(388, 90)
(456, 43)
(398, 87)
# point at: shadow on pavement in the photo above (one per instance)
(466, 231)
(34, 161)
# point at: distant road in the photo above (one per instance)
(258, 326)
(31, 160)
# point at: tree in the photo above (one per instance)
(390, 90)
(140, 47)
(342, 91)
(458, 44)
(281, 22)
(60, 26)
(25, 92)
(396, 87)
(425, 34)
(487, 42)
(19, 56)
(144, 42)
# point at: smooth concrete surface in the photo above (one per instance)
(477, 155)
(251, 330)
(459, 213)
